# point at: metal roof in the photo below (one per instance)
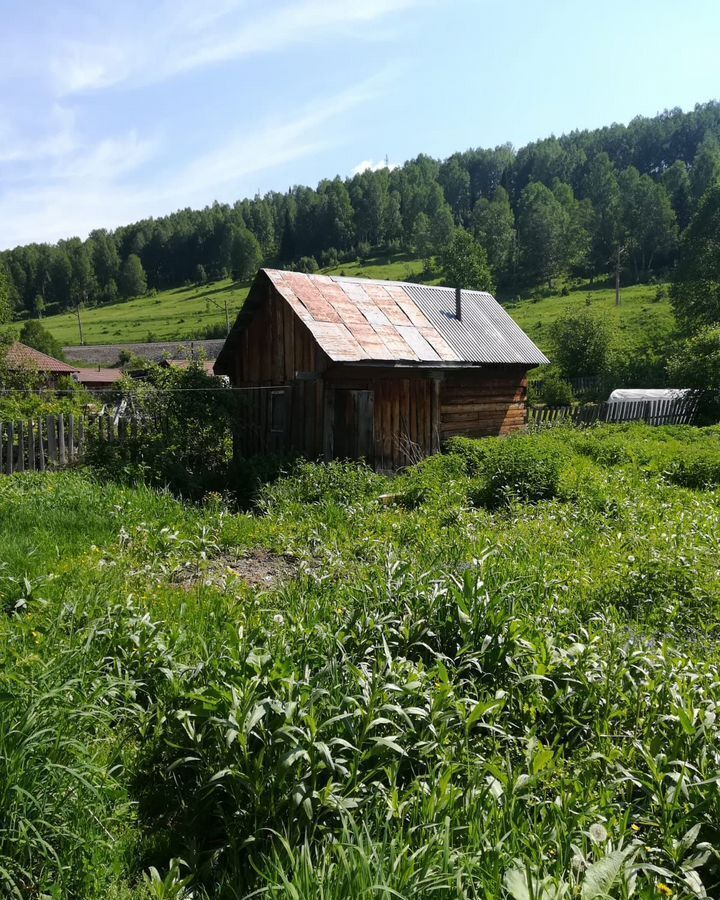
(359, 320)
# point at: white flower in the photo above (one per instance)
(598, 833)
(278, 619)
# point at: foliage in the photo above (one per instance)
(464, 263)
(519, 468)
(245, 254)
(695, 291)
(555, 390)
(184, 433)
(580, 202)
(442, 700)
(581, 343)
(696, 364)
(133, 280)
(34, 334)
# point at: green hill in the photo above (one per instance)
(643, 319)
(178, 314)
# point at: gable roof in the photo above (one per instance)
(99, 376)
(20, 356)
(360, 320)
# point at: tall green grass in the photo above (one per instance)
(469, 688)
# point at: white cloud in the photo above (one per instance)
(103, 184)
(178, 37)
(368, 165)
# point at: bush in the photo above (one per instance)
(695, 467)
(435, 479)
(555, 390)
(581, 344)
(307, 264)
(518, 468)
(344, 483)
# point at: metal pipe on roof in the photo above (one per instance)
(458, 304)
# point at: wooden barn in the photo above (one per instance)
(385, 371)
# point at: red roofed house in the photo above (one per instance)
(20, 356)
(378, 370)
(99, 379)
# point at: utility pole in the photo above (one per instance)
(225, 307)
(77, 310)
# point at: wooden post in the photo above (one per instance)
(31, 446)
(81, 436)
(61, 438)
(21, 447)
(41, 455)
(10, 448)
(71, 437)
(52, 440)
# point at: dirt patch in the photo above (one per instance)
(257, 569)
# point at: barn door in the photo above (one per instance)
(354, 431)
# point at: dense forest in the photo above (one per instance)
(586, 204)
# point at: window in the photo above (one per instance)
(278, 402)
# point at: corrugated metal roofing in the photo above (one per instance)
(359, 320)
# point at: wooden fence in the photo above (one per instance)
(676, 411)
(39, 444)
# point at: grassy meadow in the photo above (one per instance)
(177, 314)
(495, 675)
(641, 320)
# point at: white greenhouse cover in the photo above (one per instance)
(622, 395)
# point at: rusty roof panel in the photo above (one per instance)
(357, 320)
(414, 339)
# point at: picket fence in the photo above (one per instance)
(39, 444)
(675, 411)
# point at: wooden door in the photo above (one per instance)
(354, 425)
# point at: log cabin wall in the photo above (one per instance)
(481, 402)
(416, 410)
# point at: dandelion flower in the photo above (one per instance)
(598, 833)
(664, 890)
(278, 619)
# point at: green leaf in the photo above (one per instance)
(604, 874)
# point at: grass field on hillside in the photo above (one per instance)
(639, 321)
(178, 314)
(183, 313)
(494, 676)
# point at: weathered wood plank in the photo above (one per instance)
(10, 449)
(52, 440)
(61, 439)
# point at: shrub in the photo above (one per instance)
(307, 264)
(345, 483)
(695, 467)
(519, 468)
(433, 480)
(555, 390)
(581, 344)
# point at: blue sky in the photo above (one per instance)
(110, 111)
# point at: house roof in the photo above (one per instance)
(99, 376)
(20, 356)
(364, 321)
(206, 364)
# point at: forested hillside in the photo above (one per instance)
(583, 204)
